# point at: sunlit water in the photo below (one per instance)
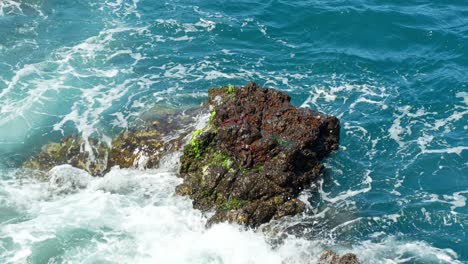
(394, 73)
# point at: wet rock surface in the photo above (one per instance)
(249, 164)
(330, 257)
(71, 150)
(143, 147)
(255, 156)
(140, 147)
(136, 148)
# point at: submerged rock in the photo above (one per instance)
(71, 151)
(255, 156)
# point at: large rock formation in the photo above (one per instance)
(255, 156)
(250, 163)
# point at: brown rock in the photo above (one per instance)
(330, 257)
(349, 258)
(256, 155)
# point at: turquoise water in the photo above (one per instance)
(394, 73)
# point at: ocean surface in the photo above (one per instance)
(395, 73)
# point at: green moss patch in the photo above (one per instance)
(233, 203)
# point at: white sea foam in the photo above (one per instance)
(65, 179)
(429, 124)
(148, 224)
(36, 82)
(456, 150)
(391, 250)
(346, 195)
(9, 7)
(411, 126)
(201, 25)
(122, 8)
(463, 95)
(369, 94)
(456, 200)
(141, 220)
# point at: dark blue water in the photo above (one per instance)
(395, 73)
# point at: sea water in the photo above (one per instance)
(395, 73)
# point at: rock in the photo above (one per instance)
(255, 156)
(349, 258)
(71, 151)
(140, 147)
(143, 147)
(159, 111)
(330, 257)
(67, 179)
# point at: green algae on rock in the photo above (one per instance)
(255, 156)
(141, 148)
(71, 151)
